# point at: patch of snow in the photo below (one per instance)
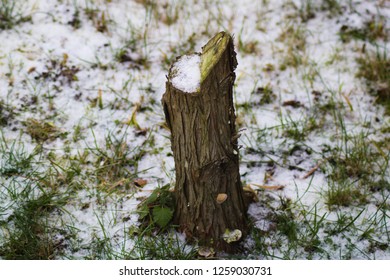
(261, 216)
(186, 73)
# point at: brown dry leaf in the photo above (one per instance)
(271, 188)
(314, 169)
(292, 103)
(131, 120)
(117, 184)
(140, 182)
(65, 57)
(141, 132)
(346, 97)
(221, 197)
(32, 69)
(252, 194)
(311, 171)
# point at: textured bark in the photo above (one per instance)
(204, 145)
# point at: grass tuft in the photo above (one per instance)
(31, 237)
(42, 131)
(25, 228)
(371, 31)
(151, 246)
(344, 195)
(374, 67)
(11, 14)
(116, 162)
(295, 39)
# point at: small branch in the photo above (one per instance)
(314, 169)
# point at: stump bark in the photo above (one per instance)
(209, 196)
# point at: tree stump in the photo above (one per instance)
(199, 111)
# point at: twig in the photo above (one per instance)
(272, 188)
(314, 169)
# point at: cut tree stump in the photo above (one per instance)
(199, 111)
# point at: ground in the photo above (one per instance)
(84, 145)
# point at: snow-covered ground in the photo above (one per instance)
(80, 89)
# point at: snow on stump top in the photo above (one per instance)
(199, 111)
(185, 73)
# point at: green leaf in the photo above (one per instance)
(151, 199)
(162, 215)
(143, 211)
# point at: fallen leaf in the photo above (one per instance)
(272, 188)
(141, 132)
(292, 103)
(252, 194)
(348, 101)
(140, 182)
(32, 69)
